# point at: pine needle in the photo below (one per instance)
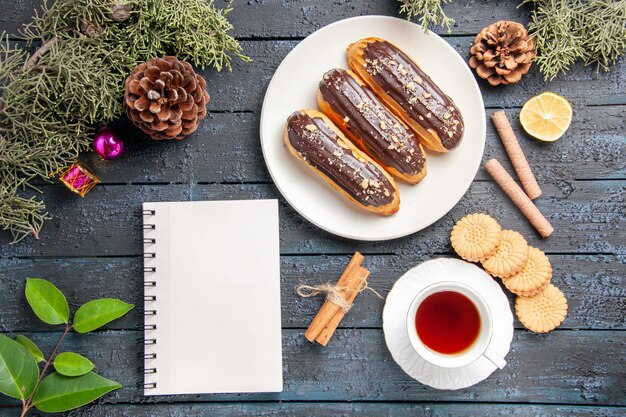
(592, 31)
(429, 12)
(21, 216)
(51, 100)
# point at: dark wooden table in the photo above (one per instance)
(91, 246)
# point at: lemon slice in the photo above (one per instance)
(546, 116)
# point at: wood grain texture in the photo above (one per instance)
(226, 148)
(306, 16)
(570, 367)
(243, 88)
(587, 216)
(300, 409)
(90, 248)
(594, 285)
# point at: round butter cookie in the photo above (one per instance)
(475, 237)
(533, 276)
(533, 293)
(510, 256)
(543, 312)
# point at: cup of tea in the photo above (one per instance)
(450, 325)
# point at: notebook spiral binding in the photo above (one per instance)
(149, 283)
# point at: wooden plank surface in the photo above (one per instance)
(226, 148)
(297, 19)
(303, 409)
(244, 87)
(594, 285)
(587, 216)
(91, 248)
(571, 367)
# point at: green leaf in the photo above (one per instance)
(72, 364)
(97, 313)
(31, 347)
(58, 393)
(47, 301)
(18, 370)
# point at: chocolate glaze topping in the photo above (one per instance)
(367, 118)
(418, 95)
(323, 149)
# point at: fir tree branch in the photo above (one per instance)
(51, 101)
(30, 62)
(20, 216)
(568, 31)
(429, 12)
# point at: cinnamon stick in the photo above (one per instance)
(360, 276)
(519, 198)
(329, 309)
(516, 154)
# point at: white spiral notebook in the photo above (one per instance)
(212, 297)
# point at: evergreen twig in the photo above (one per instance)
(430, 12)
(567, 31)
(51, 100)
(41, 51)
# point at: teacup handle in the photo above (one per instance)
(494, 358)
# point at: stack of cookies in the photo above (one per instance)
(525, 270)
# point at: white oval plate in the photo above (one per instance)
(293, 87)
(397, 305)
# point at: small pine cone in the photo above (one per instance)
(502, 52)
(90, 29)
(120, 10)
(165, 98)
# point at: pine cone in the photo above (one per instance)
(120, 10)
(502, 52)
(165, 98)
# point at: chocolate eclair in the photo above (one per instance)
(312, 138)
(408, 92)
(352, 106)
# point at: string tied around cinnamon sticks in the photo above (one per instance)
(339, 298)
(333, 293)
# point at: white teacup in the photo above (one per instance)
(479, 348)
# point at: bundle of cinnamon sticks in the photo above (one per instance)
(338, 301)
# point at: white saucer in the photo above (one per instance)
(397, 305)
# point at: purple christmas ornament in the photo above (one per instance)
(107, 144)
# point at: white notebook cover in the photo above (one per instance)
(212, 297)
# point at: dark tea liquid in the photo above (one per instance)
(447, 322)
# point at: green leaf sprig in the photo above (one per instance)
(73, 382)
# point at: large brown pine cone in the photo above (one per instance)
(165, 98)
(502, 52)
